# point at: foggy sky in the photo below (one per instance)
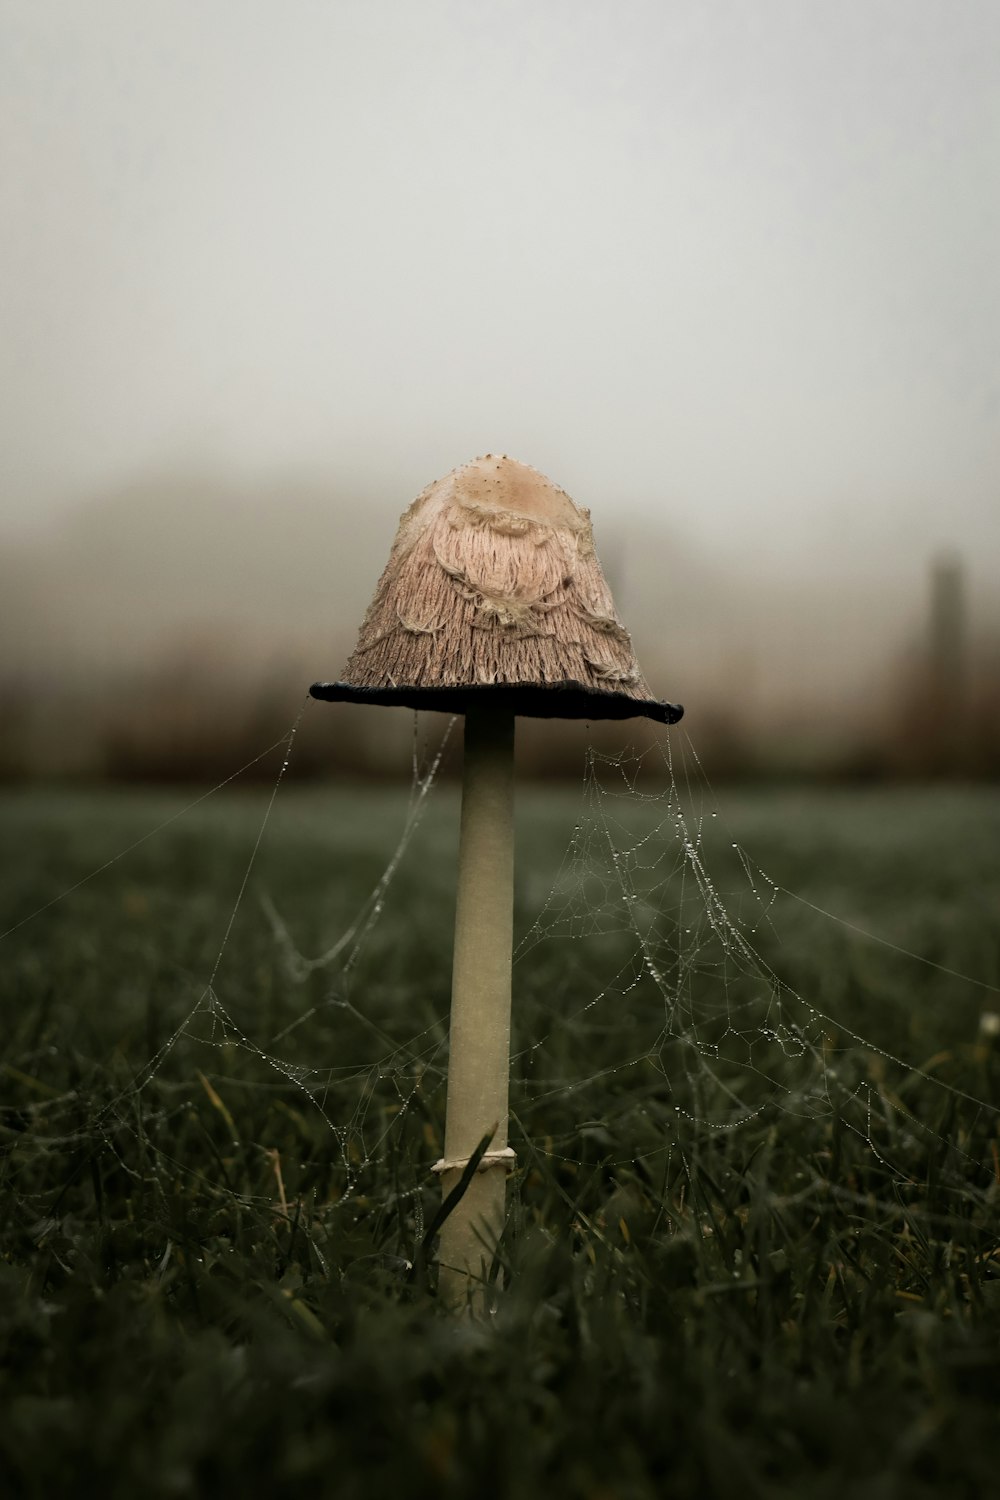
(731, 263)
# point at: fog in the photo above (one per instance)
(727, 273)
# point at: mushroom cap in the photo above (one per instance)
(493, 593)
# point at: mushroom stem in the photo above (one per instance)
(479, 1062)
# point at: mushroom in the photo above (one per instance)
(492, 604)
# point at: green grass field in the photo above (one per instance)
(748, 1252)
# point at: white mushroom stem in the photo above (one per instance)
(479, 1063)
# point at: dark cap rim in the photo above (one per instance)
(551, 700)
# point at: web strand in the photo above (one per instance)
(160, 827)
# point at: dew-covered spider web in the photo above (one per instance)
(666, 998)
(711, 1025)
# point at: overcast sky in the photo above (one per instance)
(733, 261)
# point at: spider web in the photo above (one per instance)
(650, 1015)
(654, 893)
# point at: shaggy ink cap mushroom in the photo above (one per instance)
(492, 604)
(493, 595)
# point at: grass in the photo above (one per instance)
(212, 1277)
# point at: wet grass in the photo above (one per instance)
(210, 1277)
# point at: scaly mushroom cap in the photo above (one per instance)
(493, 591)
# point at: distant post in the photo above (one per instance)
(947, 660)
